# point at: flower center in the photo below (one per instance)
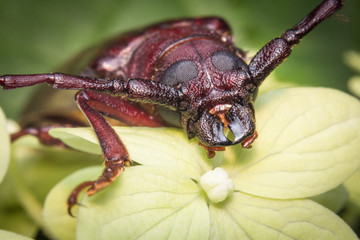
(217, 184)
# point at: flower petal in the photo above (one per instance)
(248, 217)
(144, 203)
(308, 143)
(354, 85)
(147, 146)
(59, 223)
(12, 236)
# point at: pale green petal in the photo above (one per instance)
(352, 59)
(35, 169)
(354, 85)
(58, 221)
(147, 146)
(4, 146)
(309, 140)
(83, 139)
(145, 203)
(246, 217)
(12, 236)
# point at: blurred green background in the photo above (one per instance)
(39, 36)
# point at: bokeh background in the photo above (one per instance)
(39, 36)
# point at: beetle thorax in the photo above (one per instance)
(206, 71)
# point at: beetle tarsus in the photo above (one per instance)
(111, 172)
(72, 199)
(109, 175)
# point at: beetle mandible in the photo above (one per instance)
(189, 68)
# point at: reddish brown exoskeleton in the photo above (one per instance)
(189, 68)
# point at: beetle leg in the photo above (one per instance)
(122, 110)
(57, 81)
(115, 153)
(140, 90)
(72, 199)
(278, 49)
(114, 107)
(42, 133)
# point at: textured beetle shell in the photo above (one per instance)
(136, 54)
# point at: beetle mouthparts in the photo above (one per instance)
(211, 128)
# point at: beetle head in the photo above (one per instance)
(216, 91)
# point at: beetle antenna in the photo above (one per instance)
(278, 49)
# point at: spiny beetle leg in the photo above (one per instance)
(115, 153)
(141, 90)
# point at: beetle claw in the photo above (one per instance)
(111, 172)
(72, 199)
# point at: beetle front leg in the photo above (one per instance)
(57, 81)
(115, 153)
(140, 90)
(278, 49)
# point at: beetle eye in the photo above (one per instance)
(180, 72)
(225, 60)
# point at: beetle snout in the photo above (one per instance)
(230, 126)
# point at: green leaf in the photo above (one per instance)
(12, 236)
(147, 146)
(144, 202)
(335, 199)
(4, 146)
(308, 143)
(35, 169)
(248, 217)
(352, 185)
